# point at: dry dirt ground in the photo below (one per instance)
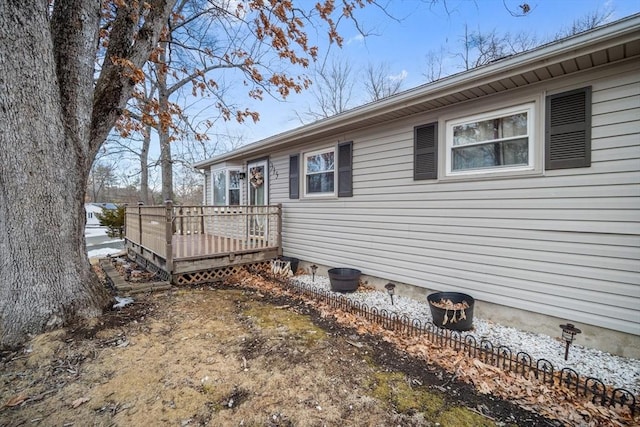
(229, 356)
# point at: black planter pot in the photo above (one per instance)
(457, 320)
(294, 262)
(344, 279)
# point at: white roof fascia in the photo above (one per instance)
(622, 31)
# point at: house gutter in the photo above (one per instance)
(619, 32)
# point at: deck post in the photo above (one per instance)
(140, 223)
(124, 226)
(279, 229)
(201, 219)
(169, 237)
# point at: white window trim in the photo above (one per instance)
(530, 108)
(227, 178)
(306, 154)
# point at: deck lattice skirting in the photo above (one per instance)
(196, 244)
(213, 275)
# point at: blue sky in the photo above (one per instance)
(422, 27)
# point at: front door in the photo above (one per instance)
(258, 191)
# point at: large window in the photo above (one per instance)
(496, 141)
(319, 172)
(226, 187)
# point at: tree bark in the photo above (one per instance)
(44, 271)
(166, 160)
(52, 123)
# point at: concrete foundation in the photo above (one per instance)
(607, 340)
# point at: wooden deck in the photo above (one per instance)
(195, 244)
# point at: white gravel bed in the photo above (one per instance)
(612, 370)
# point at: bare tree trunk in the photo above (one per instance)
(144, 167)
(467, 48)
(166, 166)
(94, 190)
(166, 162)
(45, 277)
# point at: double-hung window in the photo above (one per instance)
(319, 172)
(327, 172)
(226, 187)
(501, 140)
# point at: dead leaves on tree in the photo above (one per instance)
(274, 29)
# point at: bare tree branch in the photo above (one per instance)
(380, 83)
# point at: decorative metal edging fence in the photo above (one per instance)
(502, 357)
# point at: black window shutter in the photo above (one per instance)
(425, 152)
(568, 130)
(345, 169)
(294, 176)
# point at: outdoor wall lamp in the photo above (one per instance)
(242, 175)
(568, 335)
(314, 268)
(391, 289)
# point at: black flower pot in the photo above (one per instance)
(293, 262)
(457, 320)
(344, 279)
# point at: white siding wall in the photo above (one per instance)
(564, 243)
(207, 188)
(90, 212)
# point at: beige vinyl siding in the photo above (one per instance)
(564, 242)
(279, 178)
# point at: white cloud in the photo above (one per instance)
(400, 76)
(358, 38)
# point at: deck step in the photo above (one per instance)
(124, 287)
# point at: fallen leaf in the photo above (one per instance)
(484, 388)
(16, 400)
(79, 401)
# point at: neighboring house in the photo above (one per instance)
(517, 182)
(92, 208)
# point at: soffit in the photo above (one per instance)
(545, 72)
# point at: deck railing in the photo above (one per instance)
(192, 232)
(146, 226)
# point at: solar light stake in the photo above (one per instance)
(568, 335)
(313, 272)
(390, 287)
